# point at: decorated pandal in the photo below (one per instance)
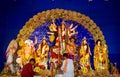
(49, 41)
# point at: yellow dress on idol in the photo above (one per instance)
(85, 58)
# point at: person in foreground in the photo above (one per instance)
(27, 70)
(67, 66)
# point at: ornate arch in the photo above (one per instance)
(48, 15)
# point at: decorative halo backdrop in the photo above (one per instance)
(39, 26)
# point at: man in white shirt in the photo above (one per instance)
(67, 66)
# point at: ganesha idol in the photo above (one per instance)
(26, 52)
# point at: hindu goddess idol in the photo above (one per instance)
(84, 56)
(42, 52)
(56, 50)
(63, 29)
(43, 48)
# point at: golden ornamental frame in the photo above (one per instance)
(48, 15)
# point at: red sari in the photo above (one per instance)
(27, 71)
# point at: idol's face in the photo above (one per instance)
(63, 26)
(44, 41)
(84, 41)
(85, 47)
(99, 43)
